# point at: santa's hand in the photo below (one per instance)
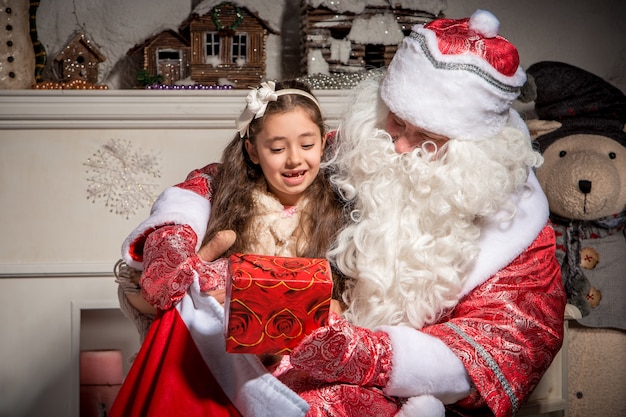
(213, 272)
(219, 295)
(342, 352)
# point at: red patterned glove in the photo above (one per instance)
(170, 264)
(342, 352)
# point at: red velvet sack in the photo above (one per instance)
(273, 302)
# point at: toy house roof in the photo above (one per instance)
(268, 12)
(86, 42)
(148, 42)
(434, 7)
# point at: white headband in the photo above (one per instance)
(257, 101)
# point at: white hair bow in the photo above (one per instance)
(256, 101)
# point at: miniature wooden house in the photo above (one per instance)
(166, 54)
(79, 60)
(227, 45)
(347, 41)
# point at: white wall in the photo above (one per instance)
(38, 362)
(585, 33)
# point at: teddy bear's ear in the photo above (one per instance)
(538, 127)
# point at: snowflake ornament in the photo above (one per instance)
(122, 177)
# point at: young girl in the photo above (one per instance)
(268, 189)
(271, 191)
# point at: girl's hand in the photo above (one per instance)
(335, 307)
(211, 251)
(223, 240)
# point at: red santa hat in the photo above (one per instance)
(457, 78)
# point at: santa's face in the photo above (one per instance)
(407, 137)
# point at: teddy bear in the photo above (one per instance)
(580, 132)
(579, 127)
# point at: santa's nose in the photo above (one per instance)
(584, 186)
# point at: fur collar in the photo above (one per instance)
(275, 227)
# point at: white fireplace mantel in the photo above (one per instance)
(136, 109)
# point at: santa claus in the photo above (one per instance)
(450, 258)
(453, 294)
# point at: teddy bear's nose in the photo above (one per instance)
(584, 186)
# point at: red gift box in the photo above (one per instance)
(272, 302)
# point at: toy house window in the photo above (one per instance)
(339, 32)
(212, 44)
(240, 47)
(375, 55)
(80, 63)
(169, 55)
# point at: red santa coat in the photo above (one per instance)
(507, 326)
(504, 333)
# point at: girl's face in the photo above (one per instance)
(289, 150)
(407, 137)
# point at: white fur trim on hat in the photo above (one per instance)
(174, 206)
(460, 96)
(484, 23)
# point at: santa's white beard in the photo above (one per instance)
(416, 222)
(407, 248)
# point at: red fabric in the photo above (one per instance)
(170, 264)
(517, 317)
(200, 180)
(339, 400)
(169, 378)
(341, 352)
(455, 38)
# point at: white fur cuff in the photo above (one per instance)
(424, 365)
(174, 206)
(422, 406)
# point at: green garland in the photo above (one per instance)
(218, 23)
